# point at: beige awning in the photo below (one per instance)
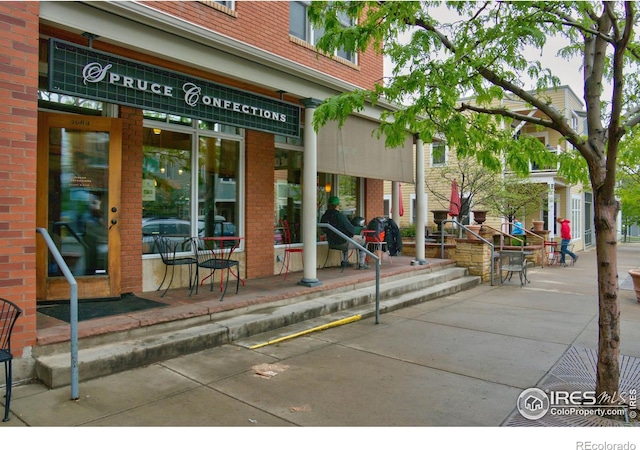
(355, 150)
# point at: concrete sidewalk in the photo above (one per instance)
(460, 360)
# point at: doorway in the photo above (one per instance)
(78, 203)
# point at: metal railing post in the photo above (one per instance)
(363, 249)
(476, 235)
(73, 309)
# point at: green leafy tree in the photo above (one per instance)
(475, 182)
(629, 180)
(512, 197)
(481, 55)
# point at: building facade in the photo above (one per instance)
(127, 120)
(563, 199)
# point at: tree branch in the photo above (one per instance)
(622, 41)
(506, 113)
(634, 119)
(557, 120)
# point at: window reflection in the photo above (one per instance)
(218, 187)
(78, 198)
(348, 191)
(288, 193)
(166, 186)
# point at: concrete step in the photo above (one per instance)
(409, 298)
(104, 358)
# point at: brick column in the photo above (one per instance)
(373, 199)
(18, 160)
(259, 215)
(130, 219)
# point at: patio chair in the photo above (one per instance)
(513, 261)
(215, 254)
(552, 253)
(167, 249)
(288, 250)
(9, 313)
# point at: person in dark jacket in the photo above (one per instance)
(338, 220)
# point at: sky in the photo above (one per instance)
(568, 71)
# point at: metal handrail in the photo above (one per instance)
(467, 230)
(71, 232)
(528, 232)
(362, 249)
(502, 235)
(524, 229)
(73, 309)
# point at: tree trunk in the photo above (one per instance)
(608, 370)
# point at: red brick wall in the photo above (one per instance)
(18, 115)
(130, 219)
(272, 35)
(374, 199)
(259, 157)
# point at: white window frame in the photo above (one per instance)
(576, 217)
(221, 5)
(194, 130)
(388, 204)
(431, 154)
(310, 33)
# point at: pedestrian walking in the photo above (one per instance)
(565, 234)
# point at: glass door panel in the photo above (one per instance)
(78, 197)
(78, 204)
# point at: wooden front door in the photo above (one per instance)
(78, 203)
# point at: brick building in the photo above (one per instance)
(126, 120)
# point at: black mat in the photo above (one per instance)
(96, 308)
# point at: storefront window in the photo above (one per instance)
(345, 187)
(166, 186)
(218, 187)
(349, 193)
(169, 184)
(287, 193)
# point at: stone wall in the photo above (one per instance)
(476, 256)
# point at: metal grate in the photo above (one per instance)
(576, 371)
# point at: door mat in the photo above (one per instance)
(100, 307)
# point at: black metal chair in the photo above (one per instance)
(513, 261)
(340, 249)
(167, 249)
(215, 254)
(9, 313)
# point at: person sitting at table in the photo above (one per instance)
(339, 221)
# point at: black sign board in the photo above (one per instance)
(92, 74)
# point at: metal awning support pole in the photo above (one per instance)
(309, 196)
(421, 203)
(73, 313)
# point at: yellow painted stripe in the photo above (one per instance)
(311, 330)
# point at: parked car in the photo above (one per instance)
(179, 230)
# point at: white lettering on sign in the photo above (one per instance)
(95, 73)
(138, 84)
